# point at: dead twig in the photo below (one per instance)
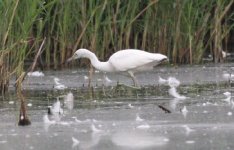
(164, 109)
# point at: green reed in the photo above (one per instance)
(182, 29)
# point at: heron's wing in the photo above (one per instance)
(131, 59)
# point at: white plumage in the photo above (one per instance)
(129, 60)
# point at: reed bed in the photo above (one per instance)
(184, 30)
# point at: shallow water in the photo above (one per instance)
(126, 122)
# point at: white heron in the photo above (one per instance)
(129, 60)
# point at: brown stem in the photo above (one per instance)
(23, 118)
(37, 55)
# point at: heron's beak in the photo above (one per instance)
(70, 59)
(164, 61)
(167, 60)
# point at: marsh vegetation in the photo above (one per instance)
(182, 30)
(44, 33)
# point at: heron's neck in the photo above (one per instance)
(102, 66)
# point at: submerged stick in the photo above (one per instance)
(23, 118)
(164, 109)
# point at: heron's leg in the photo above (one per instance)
(133, 78)
(103, 78)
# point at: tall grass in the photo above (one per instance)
(182, 29)
(47, 32)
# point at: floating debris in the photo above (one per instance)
(144, 126)
(86, 77)
(228, 76)
(29, 104)
(229, 113)
(188, 130)
(130, 105)
(138, 118)
(171, 81)
(190, 142)
(35, 74)
(11, 102)
(75, 142)
(94, 121)
(162, 81)
(228, 97)
(228, 94)
(56, 108)
(58, 85)
(173, 92)
(204, 104)
(76, 120)
(225, 54)
(94, 129)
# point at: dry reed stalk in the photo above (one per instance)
(23, 117)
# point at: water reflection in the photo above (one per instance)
(126, 121)
(138, 139)
(173, 103)
(90, 140)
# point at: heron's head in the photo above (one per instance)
(164, 59)
(80, 53)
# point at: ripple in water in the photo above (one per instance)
(138, 140)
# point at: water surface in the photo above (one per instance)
(130, 121)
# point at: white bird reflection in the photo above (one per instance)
(138, 140)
